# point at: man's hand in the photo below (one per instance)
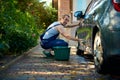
(81, 21)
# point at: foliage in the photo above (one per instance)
(21, 41)
(44, 15)
(17, 28)
(3, 48)
(21, 21)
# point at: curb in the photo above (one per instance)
(16, 59)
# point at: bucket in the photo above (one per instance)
(61, 53)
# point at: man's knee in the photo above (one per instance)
(65, 44)
(62, 43)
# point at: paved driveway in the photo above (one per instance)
(35, 66)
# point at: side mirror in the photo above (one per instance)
(78, 14)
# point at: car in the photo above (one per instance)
(105, 37)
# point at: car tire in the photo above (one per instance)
(80, 52)
(98, 54)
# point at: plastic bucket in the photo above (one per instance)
(61, 53)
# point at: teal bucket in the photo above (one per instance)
(61, 53)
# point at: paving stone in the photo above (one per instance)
(35, 66)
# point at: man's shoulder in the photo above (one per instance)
(55, 23)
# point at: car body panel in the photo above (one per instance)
(107, 22)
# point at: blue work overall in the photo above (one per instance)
(52, 42)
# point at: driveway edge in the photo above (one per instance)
(17, 58)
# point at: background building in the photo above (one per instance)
(70, 6)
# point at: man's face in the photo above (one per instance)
(65, 20)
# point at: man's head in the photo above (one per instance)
(65, 19)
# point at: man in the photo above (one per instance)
(49, 40)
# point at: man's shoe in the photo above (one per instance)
(47, 54)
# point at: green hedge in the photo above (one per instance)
(21, 22)
(18, 30)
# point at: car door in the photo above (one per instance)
(94, 9)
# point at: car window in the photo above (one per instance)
(96, 2)
(89, 6)
(92, 4)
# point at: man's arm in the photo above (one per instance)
(74, 24)
(65, 34)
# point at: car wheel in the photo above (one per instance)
(98, 54)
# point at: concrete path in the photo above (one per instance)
(35, 66)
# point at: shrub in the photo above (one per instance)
(4, 47)
(17, 29)
(21, 22)
(20, 42)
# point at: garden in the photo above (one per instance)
(21, 23)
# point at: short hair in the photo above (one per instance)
(63, 16)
